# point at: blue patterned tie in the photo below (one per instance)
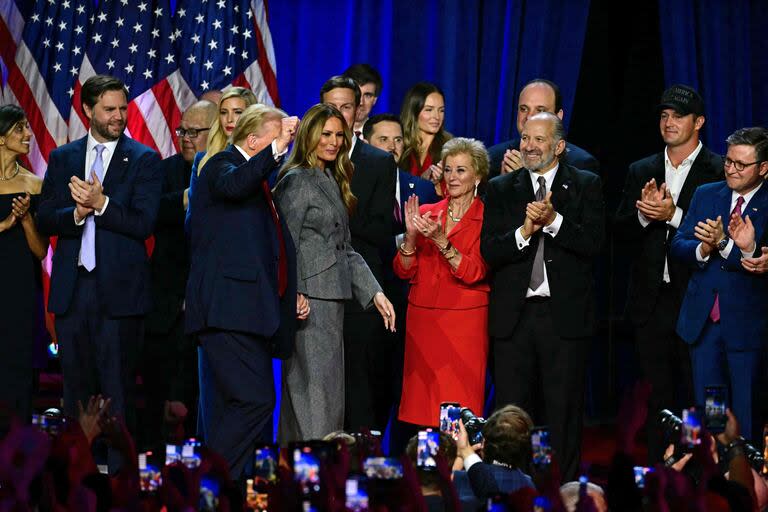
(88, 241)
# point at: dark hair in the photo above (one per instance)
(379, 118)
(552, 85)
(9, 116)
(341, 82)
(94, 87)
(364, 74)
(413, 103)
(756, 136)
(507, 436)
(447, 449)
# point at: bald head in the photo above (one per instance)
(537, 96)
(542, 142)
(197, 118)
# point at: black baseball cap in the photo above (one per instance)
(682, 99)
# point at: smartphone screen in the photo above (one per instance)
(383, 468)
(691, 431)
(714, 409)
(306, 470)
(541, 447)
(450, 412)
(356, 494)
(150, 477)
(48, 423)
(640, 472)
(209, 494)
(265, 463)
(426, 449)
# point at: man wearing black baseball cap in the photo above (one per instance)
(657, 193)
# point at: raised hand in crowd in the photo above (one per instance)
(742, 232)
(90, 417)
(656, 203)
(302, 306)
(288, 128)
(512, 161)
(709, 232)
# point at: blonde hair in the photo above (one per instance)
(217, 139)
(303, 153)
(252, 120)
(472, 147)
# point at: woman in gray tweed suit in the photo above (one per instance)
(315, 200)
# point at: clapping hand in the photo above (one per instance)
(742, 232)
(513, 161)
(541, 212)
(20, 206)
(432, 229)
(434, 173)
(656, 203)
(757, 265)
(411, 211)
(709, 232)
(88, 196)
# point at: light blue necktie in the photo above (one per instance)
(88, 241)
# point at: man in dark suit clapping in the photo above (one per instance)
(543, 226)
(241, 294)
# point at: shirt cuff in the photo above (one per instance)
(74, 214)
(699, 257)
(642, 219)
(278, 154)
(727, 251)
(99, 213)
(471, 461)
(677, 217)
(521, 242)
(553, 228)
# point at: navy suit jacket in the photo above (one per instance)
(742, 295)
(410, 184)
(234, 251)
(574, 156)
(132, 182)
(485, 480)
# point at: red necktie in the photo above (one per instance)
(714, 314)
(282, 262)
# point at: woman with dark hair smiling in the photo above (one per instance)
(423, 118)
(313, 191)
(21, 249)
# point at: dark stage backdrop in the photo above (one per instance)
(479, 52)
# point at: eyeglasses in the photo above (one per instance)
(740, 166)
(192, 133)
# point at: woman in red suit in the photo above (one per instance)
(446, 333)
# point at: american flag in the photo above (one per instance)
(167, 59)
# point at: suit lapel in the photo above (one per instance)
(470, 217)
(757, 210)
(696, 177)
(561, 186)
(77, 158)
(329, 188)
(118, 165)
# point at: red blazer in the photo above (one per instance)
(434, 284)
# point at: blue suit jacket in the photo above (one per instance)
(234, 252)
(742, 295)
(132, 182)
(484, 480)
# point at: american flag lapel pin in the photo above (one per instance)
(125, 159)
(565, 186)
(411, 185)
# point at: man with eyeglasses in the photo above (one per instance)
(169, 360)
(657, 194)
(723, 313)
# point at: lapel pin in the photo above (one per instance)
(125, 159)
(565, 186)
(754, 209)
(411, 185)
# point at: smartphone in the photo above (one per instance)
(209, 494)
(640, 472)
(691, 431)
(383, 468)
(714, 409)
(356, 494)
(49, 423)
(265, 463)
(187, 453)
(150, 477)
(426, 449)
(541, 447)
(450, 412)
(306, 470)
(765, 451)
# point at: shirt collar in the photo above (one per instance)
(747, 197)
(549, 176)
(687, 160)
(242, 152)
(352, 147)
(92, 143)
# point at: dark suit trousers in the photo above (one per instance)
(368, 367)
(666, 364)
(536, 358)
(236, 395)
(98, 354)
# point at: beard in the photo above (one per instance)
(107, 131)
(545, 160)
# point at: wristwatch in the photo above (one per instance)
(721, 245)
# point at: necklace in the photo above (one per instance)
(450, 214)
(3, 178)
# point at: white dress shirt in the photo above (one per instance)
(552, 229)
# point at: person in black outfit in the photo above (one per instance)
(169, 357)
(21, 249)
(657, 193)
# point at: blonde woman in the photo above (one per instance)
(314, 196)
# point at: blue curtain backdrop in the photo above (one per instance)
(480, 52)
(721, 49)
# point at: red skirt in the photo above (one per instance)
(446, 351)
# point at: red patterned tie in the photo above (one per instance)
(282, 262)
(714, 314)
